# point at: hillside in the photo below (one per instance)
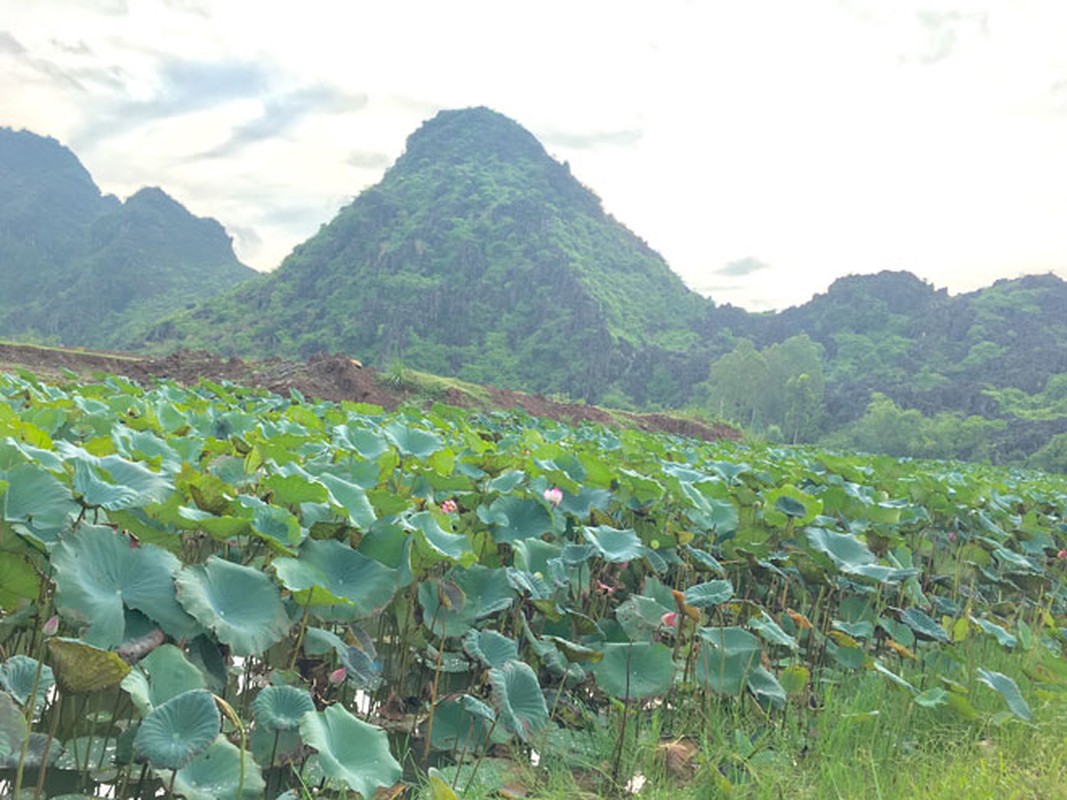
(81, 268)
(477, 256)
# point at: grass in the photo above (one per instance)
(859, 737)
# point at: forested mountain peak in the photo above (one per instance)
(479, 256)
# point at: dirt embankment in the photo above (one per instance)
(327, 377)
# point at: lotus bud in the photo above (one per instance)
(51, 626)
(337, 677)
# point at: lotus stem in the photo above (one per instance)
(43, 770)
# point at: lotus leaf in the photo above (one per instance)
(35, 495)
(161, 675)
(332, 573)
(1009, 690)
(454, 546)
(412, 442)
(350, 750)
(98, 575)
(281, 708)
(614, 545)
(492, 649)
(240, 604)
(635, 671)
(515, 518)
(19, 581)
(712, 593)
(216, 774)
(726, 659)
(80, 667)
(17, 677)
(518, 699)
(177, 731)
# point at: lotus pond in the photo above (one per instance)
(215, 592)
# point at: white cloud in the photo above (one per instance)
(828, 137)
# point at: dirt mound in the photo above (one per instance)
(326, 377)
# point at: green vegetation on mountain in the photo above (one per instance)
(477, 256)
(81, 268)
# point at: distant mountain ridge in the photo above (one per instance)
(79, 267)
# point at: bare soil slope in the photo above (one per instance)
(327, 377)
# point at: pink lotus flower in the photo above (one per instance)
(1061, 554)
(952, 536)
(337, 677)
(51, 626)
(449, 507)
(605, 588)
(553, 496)
(670, 619)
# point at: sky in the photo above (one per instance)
(763, 147)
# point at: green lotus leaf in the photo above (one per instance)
(35, 752)
(771, 631)
(931, 698)
(98, 575)
(492, 649)
(332, 573)
(712, 593)
(412, 442)
(80, 667)
(517, 518)
(766, 688)
(726, 658)
(365, 443)
(635, 671)
(489, 586)
(350, 750)
(518, 699)
(454, 546)
(216, 774)
(111, 482)
(574, 653)
(457, 726)
(845, 550)
(17, 676)
(240, 604)
(923, 625)
(273, 524)
(788, 502)
(294, 489)
(641, 617)
(160, 676)
(350, 497)
(13, 727)
(506, 481)
(34, 495)
(174, 733)
(1002, 635)
(795, 679)
(705, 560)
(1009, 690)
(280, 708)
(614, 545)
(893, 678)
(19, 581)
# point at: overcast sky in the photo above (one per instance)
(764, 148)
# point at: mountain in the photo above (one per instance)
(79, 267)
(478, 256)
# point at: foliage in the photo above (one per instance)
(83, 269)
(275, 589)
